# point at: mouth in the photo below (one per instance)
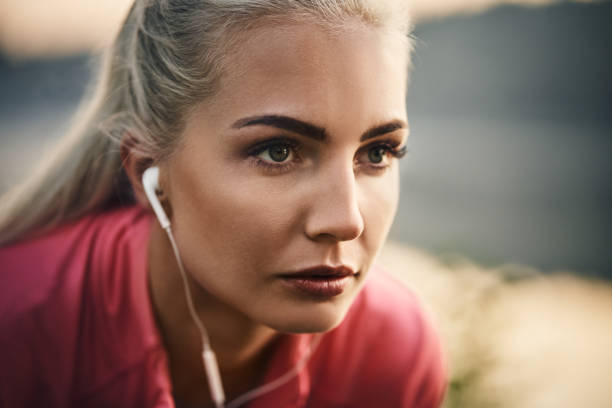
(320, 281)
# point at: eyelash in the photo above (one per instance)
(259, 148)
(392, 149)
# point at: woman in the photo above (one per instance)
(275, 126)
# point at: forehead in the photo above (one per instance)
(307, 70)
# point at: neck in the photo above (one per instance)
(241, 345)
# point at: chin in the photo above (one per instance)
(317, 318)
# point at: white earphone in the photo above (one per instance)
(150, 182)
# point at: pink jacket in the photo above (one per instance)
(77, 330)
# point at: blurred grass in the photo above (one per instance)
(513, 336)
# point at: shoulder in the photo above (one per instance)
(35, 269)
(63, 296)
(387, 347)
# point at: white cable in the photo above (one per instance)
(283, 379)
(213, 375)
(210, 361)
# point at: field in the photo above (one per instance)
(515, 337)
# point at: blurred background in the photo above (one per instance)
(507, 183)
(510, 109)
(511, 114)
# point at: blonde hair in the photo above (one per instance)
(167, 56)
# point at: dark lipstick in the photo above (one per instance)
(320, 281)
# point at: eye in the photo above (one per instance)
(377, 154)
(276, 153)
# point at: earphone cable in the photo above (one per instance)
(192, 311)
(283, 379)
(208, 356)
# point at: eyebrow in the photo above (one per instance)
(383, 129)
(310, 130)
(286, 123)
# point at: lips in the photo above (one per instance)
(322, 271)
(320, 281)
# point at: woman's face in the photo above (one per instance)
(289, 167)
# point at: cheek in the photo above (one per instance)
(379, 205)
(230, 220)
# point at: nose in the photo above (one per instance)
(334, 212)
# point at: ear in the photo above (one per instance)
(134, 164)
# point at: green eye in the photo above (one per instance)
(275, 153)
(377, 154)
(278, 153)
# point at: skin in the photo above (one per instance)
(240, 219)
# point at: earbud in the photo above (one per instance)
(150, 182)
